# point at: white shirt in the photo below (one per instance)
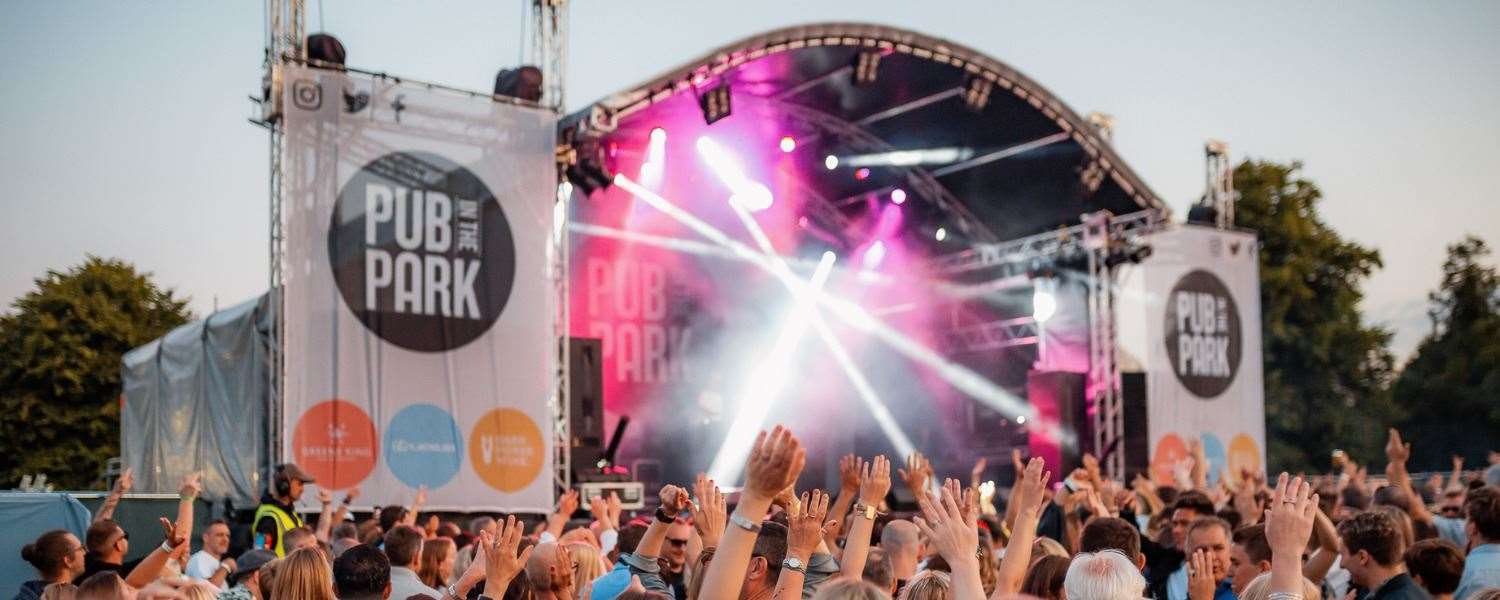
(405, 584)
(201, 565)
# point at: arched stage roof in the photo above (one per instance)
(1031, 162)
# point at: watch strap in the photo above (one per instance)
(661, 515)
(795, 565)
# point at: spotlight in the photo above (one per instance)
(658, 136)
(862, 174)
(831, 162)
(656, 158)
(874, 255)
(977, 93)
(866, 68)
(752, 195)
(715, 103)
(788, 144)
(898, 195)
(1021, 419)
(942, 234)
(1043, 302)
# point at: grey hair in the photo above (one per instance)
(1104, 575)
(480, 524)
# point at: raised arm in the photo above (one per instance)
(1289, 523)
(150, 568)
(874, 483)
(917, 474)
(849, 467)
(325, 516)
(1396, 454)
(805, 531)
(498, 554)
(558, 520)
(1321, 560)
(1028, 498)
(776, 459)
(191, 486)
(416, 506)
(954, 531)
(122, 487)
(709, 513)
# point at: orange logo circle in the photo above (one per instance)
(1244, 454)
(1169, 451)
(506, 449)
(335, 443)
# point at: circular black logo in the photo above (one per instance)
(421, 251)
(1203, 334)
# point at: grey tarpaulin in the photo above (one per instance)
(197, 399)
(25, 517)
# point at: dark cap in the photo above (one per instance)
(292, 471)
(249, 562)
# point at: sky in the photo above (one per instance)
(124, 131)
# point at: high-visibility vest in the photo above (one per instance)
(285, 522)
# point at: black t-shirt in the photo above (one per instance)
(92, 565)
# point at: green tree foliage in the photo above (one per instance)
(1326, 371)
(1450, 389)
(60, 350)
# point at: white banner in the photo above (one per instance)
(1189, 317)
(420, 346)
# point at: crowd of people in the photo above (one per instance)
(1077, 536)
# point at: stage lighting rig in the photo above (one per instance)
(866, 68)
(587, 166)
(1132, 254)
(715, 103)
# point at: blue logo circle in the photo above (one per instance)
(423, 446)
(1218, 460)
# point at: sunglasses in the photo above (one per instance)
(1452, 510)
(678, 542)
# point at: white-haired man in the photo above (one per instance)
(1105, 575)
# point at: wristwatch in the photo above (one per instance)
(741, 522)
(794, 564)
(865, 510)
(661, 515)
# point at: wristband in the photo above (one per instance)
(866, 510)
(166, 546)
(743, 523)
(662, 516)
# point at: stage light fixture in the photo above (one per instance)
(788, 144)
(658, 136)
(942, 234)
(830, 162)
(656, 158)
(715, 103)
(1043, 305)
(1021, 420)
(862, 174)
(866, 68)
(977, 93)
(898, 195)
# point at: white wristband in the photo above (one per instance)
(166, 546)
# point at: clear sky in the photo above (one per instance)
(123, 125)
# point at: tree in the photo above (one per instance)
(1450, 388)
(1326, 371)
(60, 352)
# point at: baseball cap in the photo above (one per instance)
(249, 562)
(292, 471)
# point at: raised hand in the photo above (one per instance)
(674, 499)
(1201, 582)
(709, 516)
(785, 498)
(124, 483)
(776, 459)
(614, 508)
(1016, 462)
(943, 522)
(351, 495)
(849, 471)
(978, 471)
(421, 499)
(1091, 468)
(1395, 450)
(805, 524)
(1289, 524)
(324, 497)
(173, 536)
(874, 480)
(918, 470)
(192, 484)
(567, 504)
(600, 511)
(501, 561)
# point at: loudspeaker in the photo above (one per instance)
(1137, 443)
(585, 401)
(1061, 412)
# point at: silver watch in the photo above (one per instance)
(794, 564)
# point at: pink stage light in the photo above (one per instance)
(656, 158)
(862, 174)
(874, 256)
(753, 195)
(898, 195)
(788, 144)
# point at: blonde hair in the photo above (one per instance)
(1260, 589)
(434, 552)
(303, 575)
(59, 591)
(588, 565)
(199, 590)
(850, 589)
(928, 585)
(1045, 546)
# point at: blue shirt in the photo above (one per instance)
(1481, 570)
(1177, 586)
(613, 583)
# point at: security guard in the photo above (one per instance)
(277, 514)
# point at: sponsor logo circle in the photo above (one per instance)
(421, 251)
(1244, 454)
(505, 447)
(423, 446)
(1203, 334)
(1169, 451)
(334, 441)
